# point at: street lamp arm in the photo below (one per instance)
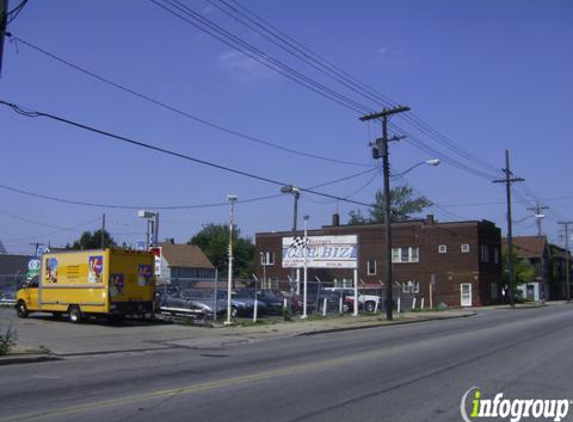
(434, 162)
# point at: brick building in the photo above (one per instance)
(453, 256)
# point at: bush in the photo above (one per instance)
(287, 314)
(7, 340)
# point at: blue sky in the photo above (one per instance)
(489, 75)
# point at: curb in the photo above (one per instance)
(11, 359)
(35, 358)
(382, 324)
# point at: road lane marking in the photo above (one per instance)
(234, 381)
(198, 388)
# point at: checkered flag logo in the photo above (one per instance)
(298, 243)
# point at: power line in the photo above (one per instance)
(284, 41)
(13, 14)
(205, 25)
(353, 193)
(179, 111)
(168, 207)
(65, 229)
(420, 144)
(154, 148)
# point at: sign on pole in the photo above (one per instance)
(323, 252)
(157, 251)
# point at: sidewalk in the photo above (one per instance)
(45, 339)
(527, 305)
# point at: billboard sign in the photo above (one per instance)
(323, 252)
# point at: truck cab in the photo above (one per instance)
(27, 298)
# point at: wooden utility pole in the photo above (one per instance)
(566, 224)
(538, 210)
(508, 180)
(380, 149)
(3, 23)
(103, 231)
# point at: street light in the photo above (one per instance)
(433, 162)
(152, 227)
(305, 272)
(231, 199)
(295, 192)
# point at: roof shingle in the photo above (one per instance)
(188, 256)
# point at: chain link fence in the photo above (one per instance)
(9, 285)
(208, 298)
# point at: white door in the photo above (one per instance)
(466, 294)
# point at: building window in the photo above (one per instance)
(267, 258)
(411, 287)
(496, 255)
(443, 249)
(371, 270)
(405, 254)
(484, 253)
(466, 248)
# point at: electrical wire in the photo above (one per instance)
(165, 151)
(279, 38)
(66, 229)
(168, 207)
(195, 118)
(255, 53)
(205, 25)
(13, 14)
(352, 194)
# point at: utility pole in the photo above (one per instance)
(103, 231)
(380, 149)
(539, 216)
(508, 180)
(538, 210)
(231, 199)
(3, 23)
(566, 224)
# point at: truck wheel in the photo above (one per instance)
(21, 309)
(370, 307)
(75, 314)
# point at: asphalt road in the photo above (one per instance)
(416, 372)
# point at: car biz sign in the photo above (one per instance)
(323, 251)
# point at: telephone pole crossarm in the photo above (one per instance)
(384, 113)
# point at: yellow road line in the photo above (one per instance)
(202, 387)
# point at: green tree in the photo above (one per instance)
(523, 271)
(92, 240)
(213, 239)
(403, 205)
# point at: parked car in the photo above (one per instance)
(315, 300)
(190, 302)
(274, 301)
(7, 295)
(367, 302)
(244, 302)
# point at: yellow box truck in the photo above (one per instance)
(110, 283)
